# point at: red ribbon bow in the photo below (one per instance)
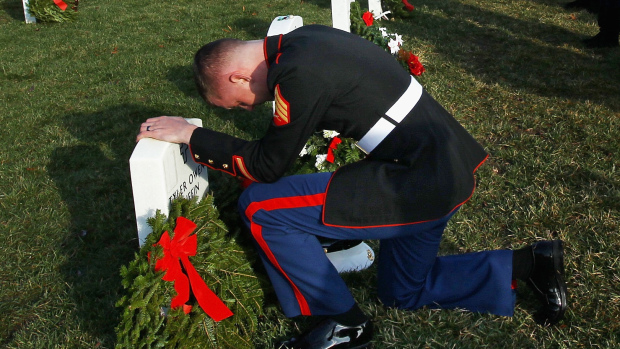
(181, 246)
(61, 4)
(332, 146)
(408, 5)
(368, 18)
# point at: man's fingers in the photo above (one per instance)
(151, 120)
(166, 128)
(142, 134)
(147, 130)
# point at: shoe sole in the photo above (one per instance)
(545, 319)
(558, 256)
(558, 263)
(542, 317)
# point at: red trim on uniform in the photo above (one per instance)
(279, 46)
(232, 173)
(399, 224)
(204, 163)
(240, 165)
(236, 166)
(257, 233)
(481, 162)
(265, 51)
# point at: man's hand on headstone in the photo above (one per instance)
(172, 129)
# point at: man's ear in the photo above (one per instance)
(238, 77)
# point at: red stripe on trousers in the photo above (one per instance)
(257, 232)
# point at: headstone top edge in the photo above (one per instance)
(153, 148)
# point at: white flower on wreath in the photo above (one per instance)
(383, 31)
(398, 39)
(320, 161)
(394, 46)
(330, 134)
(304, 151)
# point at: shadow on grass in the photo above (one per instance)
(254, 27)
(591, 6)
(536, 57)
(595, 184)
(94, 181)
(13, 8)
(182, 76)
(253, 124)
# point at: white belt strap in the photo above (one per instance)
(392, 117)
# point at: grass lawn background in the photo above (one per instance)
(514, 73)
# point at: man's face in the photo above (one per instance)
(233, 98)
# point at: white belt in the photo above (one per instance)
(392, 117)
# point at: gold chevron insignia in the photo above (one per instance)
(281, 115)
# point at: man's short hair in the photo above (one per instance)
(208, 63)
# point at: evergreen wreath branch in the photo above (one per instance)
(146, 319)
(48, 11)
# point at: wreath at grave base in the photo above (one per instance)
(364, 25)
(148, 319)
(53, 10)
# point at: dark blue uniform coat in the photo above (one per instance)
(327, 79)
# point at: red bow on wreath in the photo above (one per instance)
(368, 18)
(408, 5)
(332, 146)
(180, 247)
(61, 4)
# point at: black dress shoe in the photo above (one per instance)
(547, 281)
(330, 334)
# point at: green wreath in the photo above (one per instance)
(48, 11)
(398, 8)
(147, 320)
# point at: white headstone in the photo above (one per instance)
(161, 172)
(374, 6)
(29, 18)
(284, 24)
(341, 12)
(356, 258)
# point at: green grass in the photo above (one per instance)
(513, 72)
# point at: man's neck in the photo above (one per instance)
(253, 52)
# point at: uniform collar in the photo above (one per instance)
(271, 48)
